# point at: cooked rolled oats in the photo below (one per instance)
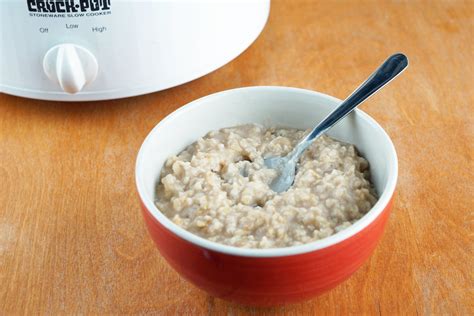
(218, 188)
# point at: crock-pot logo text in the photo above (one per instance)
(69, 8)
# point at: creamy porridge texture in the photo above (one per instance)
(217, 188)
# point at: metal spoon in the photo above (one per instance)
(286, 166)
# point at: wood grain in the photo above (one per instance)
(72, 239)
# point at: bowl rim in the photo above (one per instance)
(361, 224)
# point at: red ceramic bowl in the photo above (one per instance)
(265, 276)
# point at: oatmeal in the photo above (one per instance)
(218, 188)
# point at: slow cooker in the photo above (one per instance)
(80, 50)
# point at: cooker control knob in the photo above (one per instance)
(71, 66)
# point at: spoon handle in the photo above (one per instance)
(391, 68)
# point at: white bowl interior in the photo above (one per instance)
(268, 106)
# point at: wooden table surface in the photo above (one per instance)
(72, 239)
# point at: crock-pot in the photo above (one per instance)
(80, 50)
